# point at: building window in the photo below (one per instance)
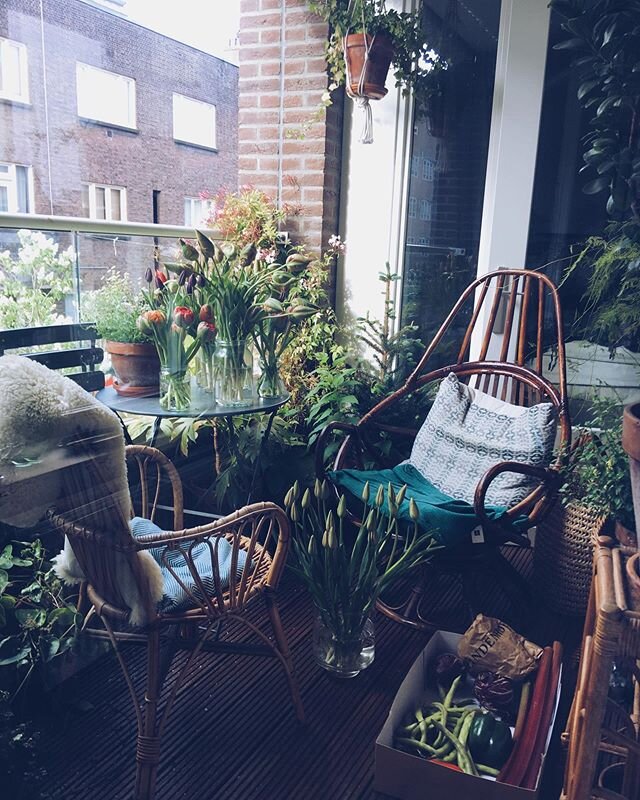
(194, 122)
(196, 211)
(415, 163)
(104, 202)
(16, 189)
(105, 96)
(427, 169)
(413, 204)
(14, 75)
(425, 210)
(423, 241)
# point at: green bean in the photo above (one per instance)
(487, 770)
(416, 744)
(465, 762)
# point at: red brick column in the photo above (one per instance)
(282, 78)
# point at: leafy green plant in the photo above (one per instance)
(37, 622)
(34, 281)
(415, 62)
(612, 301)
(597, 473)
(115, 308)
(604, 40)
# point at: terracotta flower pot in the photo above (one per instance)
(137, 368)
(366, 76)
(631, 444)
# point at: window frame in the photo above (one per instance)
(193, 200)
(10, 181)
(132, 109)
(23, 68)
(180, 139)
(108, 187)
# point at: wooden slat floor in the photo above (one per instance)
(233, 733)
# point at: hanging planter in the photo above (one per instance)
(367, 60)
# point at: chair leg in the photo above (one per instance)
(149, 735)
(283, 647)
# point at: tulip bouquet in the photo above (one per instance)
(170, 321)
(346, 569)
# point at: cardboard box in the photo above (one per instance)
(408, 777)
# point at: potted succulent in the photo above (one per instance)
(114, 309)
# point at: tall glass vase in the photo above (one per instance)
(270, 384)
(233, 373)
(344, 653)
(175, 381)
(205, 374)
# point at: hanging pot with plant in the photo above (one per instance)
(365, 38)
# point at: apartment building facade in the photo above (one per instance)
(103, 118)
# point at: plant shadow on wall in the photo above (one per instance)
(603, 41)
(318, 361)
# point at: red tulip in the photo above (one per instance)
(206, 332)
(183, 317)
(206, 313)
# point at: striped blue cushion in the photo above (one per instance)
(175, 598)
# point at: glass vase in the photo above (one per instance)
(175, 389)
(345, 655)
(233, 373)
(204, 371)
(270, 384)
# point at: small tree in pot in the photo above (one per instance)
(114, 308)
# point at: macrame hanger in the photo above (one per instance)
(359, 97)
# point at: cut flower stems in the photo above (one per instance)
(345, 568)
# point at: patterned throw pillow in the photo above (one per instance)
(468, 431)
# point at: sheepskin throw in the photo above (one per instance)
(62, 448)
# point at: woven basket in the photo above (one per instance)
(562, 557)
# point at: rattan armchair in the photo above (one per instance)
(260, 531)
(502, 328)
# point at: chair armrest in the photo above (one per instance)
(323, 438)
(548, 478)
(258, 523)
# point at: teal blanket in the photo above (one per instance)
(451, 521)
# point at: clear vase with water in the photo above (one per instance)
(233, 373)
(345, 653)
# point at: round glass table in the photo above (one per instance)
(201, 408)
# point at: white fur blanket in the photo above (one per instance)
(53, 434)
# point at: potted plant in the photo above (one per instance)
(114, 309)
(602, 38)
(366, 38)
(345, 570)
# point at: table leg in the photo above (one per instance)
(154, 431)
(263, 444)
(127, 438)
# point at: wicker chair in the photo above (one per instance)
(260, 531)
(503, 315)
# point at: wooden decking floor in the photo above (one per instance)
(232, 733)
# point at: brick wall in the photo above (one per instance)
(280, 151)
